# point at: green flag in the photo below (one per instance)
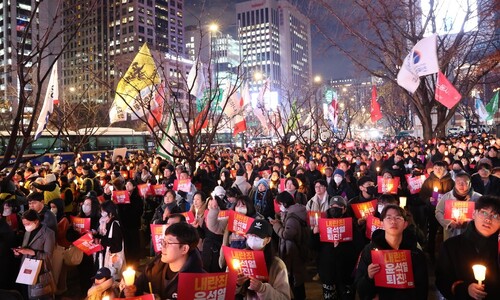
(492, 107)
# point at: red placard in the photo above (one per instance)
(372, 223)
(207, 286)
(158, 189)
(387, 185)
(144, 190)
(276, 206)
(189, 216)
(182, 185)
(250, 263)
(223, 214)
(120, 197)
(157, 235)
(239, 223)
(101, 198)
(314, 216)
(81, 225)
(335, 230)
(143, 297)
(458, 210)
(364, 209)
(232, 172)
(87, 245)
(415, 183)
(396, 270)
(281, 188)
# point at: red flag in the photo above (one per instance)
(376, 114)
(198, 125)
(156, 114)
(240, 124)
(446, 93)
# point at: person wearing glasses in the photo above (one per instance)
(179, 253)
(477, 245)
(462, 191)
(319, 202)
(392, 237)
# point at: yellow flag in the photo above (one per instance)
(140, 77)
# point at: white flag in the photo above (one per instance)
(259, 109)
(51, 97)
(166, 142)
(481, 110)
(421, 61)
(196, 80)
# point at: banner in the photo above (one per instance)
(157, 235)
(81, 225)
(415, 183)
(223, 214)
(396, 270)
(335, 230)
(281, 188)
(372, 223)
(364, 209)
(313, 217)
(387, 185)
(87, 245)
(182, 185)
(247, 262)
(239, 223)
(458, 210)
(120, 197)
(190, 218)
(158, 189)
(481, 110)
(214, 286)
(144, 190)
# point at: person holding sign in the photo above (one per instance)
(131, 214)
(462, 191)
(179, 254)
(169, 206)
(479, 244)
(336, 261)
(292, 244)
(393, 237)
(277, 287)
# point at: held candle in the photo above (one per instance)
(317, 219)
(455, 213)
(402, 202)
(196, 213)
(129, 276)
(435, 193)
(157, 178)
(105, 298)
(479, 273)
(236, 264)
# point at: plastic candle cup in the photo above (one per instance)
(479, 273)
(129, 276)
(402, 202)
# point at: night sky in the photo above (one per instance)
(326, 61)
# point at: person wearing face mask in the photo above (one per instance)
(179, 254)
(339, 186)
(110, 236)
(277, 286)
(292, 247)
(89, 209)
(462, 191)
(39, 242)
(336, 261)
(11, 216)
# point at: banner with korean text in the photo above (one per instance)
(206, 286)
(372, 223)
(415, 183)
(120, 197)
(458, 210)
(157, 235)
(247, 262)
(364, 209)
(335, 230)
(144, 190)
(314, 216)
(81, 225)
(396, 270)
(239, 223)
(182, 185)
(87, 245)
(387, 185)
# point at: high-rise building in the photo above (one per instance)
(276, 43)
(112, 35)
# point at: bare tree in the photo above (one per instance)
(35, 52)
(377, 35)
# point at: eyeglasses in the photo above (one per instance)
(165, 243)
(483, 214)
(394, 218)
(320, 186)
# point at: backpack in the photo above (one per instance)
(304, 239)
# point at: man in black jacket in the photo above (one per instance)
(477, 245)
(179, 254)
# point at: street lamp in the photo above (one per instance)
(317, 79)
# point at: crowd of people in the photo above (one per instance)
(283, 190)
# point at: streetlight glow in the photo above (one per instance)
(214, 27)
(257, 76)
(317, 79)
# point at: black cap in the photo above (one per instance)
(364, 180)
(103, 273)
(261, 228)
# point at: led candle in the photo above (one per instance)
(105, 298)
(358, 174)
(236, 264)
(196, 213)
(435, 194)
(316, 217)
(378, 169)
(157, 178)
(402, 202)
(479, 273)
(455, 213)
(129, 276)
(218, 182)
(128, 168)
(111, 188)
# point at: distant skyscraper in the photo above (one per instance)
(276, 42)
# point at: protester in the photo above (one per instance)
(179, 254)
(292, 186)
(262, 198)
(477, 245)
(319, 202)
(131, 214)
(277, 287)
(391, 238)
(484, 182)
(35, 202)
(104, 286)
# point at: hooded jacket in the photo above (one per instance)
(444, 185)
(242, 184)
(263, 201)
(289, 233)
(366, 287)
(156, 273)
